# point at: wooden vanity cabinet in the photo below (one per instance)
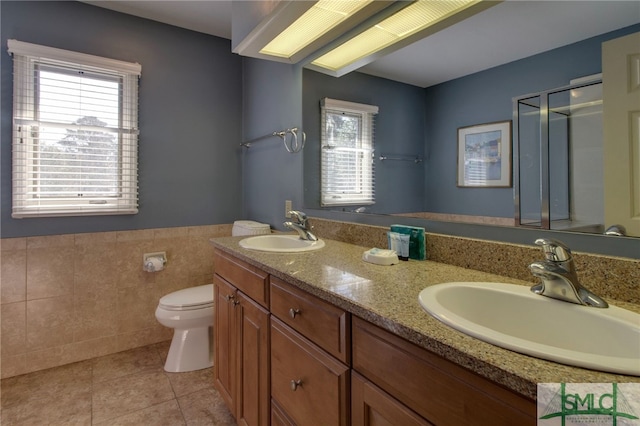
(310, 355)
(250, 280)
(327, 326)
(241, 350)
(438, 390)
(224, 331)
(283, 356)
(371, 406)
(308, 386)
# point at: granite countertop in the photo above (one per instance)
(388, 297)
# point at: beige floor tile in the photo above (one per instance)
(131, 393)
(164, 414)
(128, 388)
(72, 378)
(125, 363)
(63, 408)
(191, 381)
(205, 408)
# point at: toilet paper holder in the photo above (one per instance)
(153, 262)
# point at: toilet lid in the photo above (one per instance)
(189, 298)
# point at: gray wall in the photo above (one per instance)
(399, 132)
(272, 101)
(198, 101)
(486, 97)
(190, 115)
(407, 112)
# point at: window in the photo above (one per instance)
(347, 175)
(75, 133)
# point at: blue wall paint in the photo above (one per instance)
(399, 132)
(272, 101)
(190, 115)
(268, 98)
(486, 97)
(483, 97)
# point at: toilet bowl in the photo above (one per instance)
(190, 313)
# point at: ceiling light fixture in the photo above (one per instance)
(315, 22)
(409, 24)
(295, 29)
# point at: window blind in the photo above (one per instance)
(347, 140)
(75, 133)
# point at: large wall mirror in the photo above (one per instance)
(417, 136)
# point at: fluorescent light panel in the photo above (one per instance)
(317, 21)
(405, 23)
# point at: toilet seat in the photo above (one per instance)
(187, 299)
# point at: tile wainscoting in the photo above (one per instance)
(68, 298)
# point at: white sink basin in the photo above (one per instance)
(512, 317)
(280, 243)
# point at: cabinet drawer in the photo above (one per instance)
(306, 383)
(322, 323)
(437, 389)
(247, 278)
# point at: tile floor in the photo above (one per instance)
(127, 388)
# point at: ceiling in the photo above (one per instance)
(504, 33)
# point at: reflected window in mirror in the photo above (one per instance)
(347, 141)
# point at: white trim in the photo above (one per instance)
(27, 128)
(361, 181)
(349, 106)
(35, 50)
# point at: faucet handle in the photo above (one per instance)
(301, 217)
(554, 250)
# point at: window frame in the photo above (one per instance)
(364, 179)
(29, 61)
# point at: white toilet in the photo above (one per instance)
(190, 313)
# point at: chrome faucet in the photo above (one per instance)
(558, 276)
(301, 225)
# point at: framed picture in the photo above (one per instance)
(484, 155)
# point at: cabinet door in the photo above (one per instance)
(371, 406)
(253, 399)
(310, 386)
(279, 417)
(435, 388)
(224, 363)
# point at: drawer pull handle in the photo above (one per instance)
(229, 297)
(293, 312)
(295, 384)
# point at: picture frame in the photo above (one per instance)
(484, 155)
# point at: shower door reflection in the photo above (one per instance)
(558, 159)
